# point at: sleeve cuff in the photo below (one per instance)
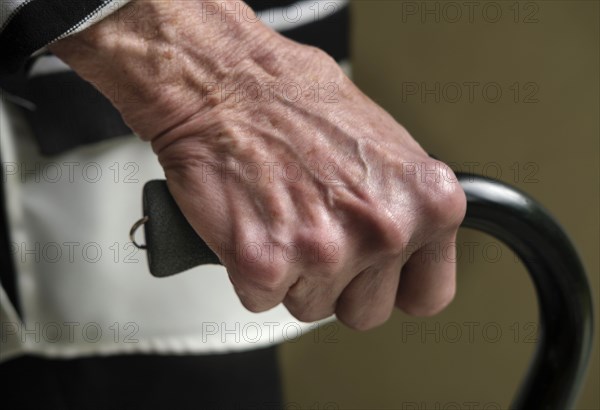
(28, 26)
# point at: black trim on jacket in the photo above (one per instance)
(38, 23)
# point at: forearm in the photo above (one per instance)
(152, 53)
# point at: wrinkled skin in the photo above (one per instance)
(321, 201)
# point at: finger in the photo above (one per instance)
(262, 282)
(368, 301)
(321, 281)
(428, 281)
(314, 295)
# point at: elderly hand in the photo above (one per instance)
(309, 192)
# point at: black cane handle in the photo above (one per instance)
(563, 292)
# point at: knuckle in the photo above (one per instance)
(442, 199)
(398, 238)
(321, 251)
(264, 274)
